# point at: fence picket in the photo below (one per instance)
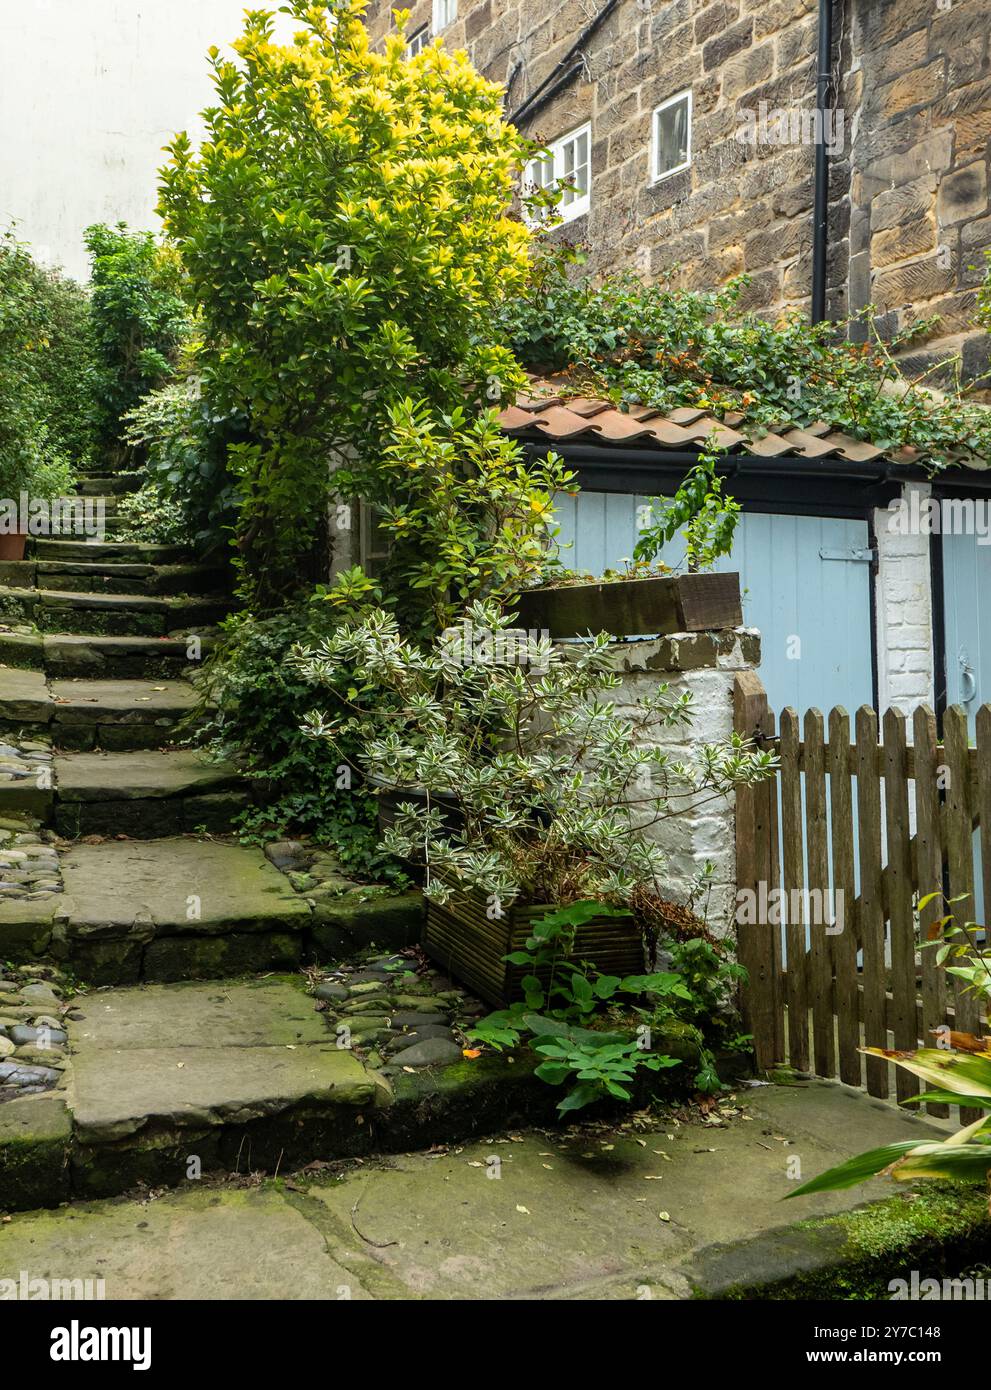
(929, 873)
(820, 964)
(904, 1025)
(793, 864)
(871, 916)
(844, 943)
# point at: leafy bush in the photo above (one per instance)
(258, 695)
(189, 491)
(139, 323)
(466, 517)
(346, 229)
(667, 348)
(552, 790)
(46, 373)
(597, 1031)
(150, 516)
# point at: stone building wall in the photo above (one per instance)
(705, 663)
(909, 208)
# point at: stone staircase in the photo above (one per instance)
(154, 971)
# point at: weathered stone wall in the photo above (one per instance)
(917, 85)
(909, 211)
(704, 663)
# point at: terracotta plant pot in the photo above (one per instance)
(460, 937)
(635, 607)
(12, 546)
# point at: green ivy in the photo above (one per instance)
(666, 348)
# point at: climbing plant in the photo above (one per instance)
(665, 347)
(345, 227)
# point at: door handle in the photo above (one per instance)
(968, 681)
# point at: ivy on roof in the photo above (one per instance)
(667, 348)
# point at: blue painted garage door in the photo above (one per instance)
(806, 583)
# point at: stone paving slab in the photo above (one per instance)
(115, 1094)
(573, 1214)
(262, 1013)
(204, 1245)
(194, 1054)
(175, 887)
(120, 701)
(136, 776)
(24, 696)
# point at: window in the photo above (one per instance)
(445, 13)
(418, 42)
(568, 164)
(672, 136)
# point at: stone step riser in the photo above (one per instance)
(147, 581)
(57, 619)
(112, 615)
(126, 552)
(150, 818)
(107, 485)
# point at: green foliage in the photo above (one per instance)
(552, 788)
(258, 694)
(150, 516)
(139, 322)
(667, 348)
(961, 1079)
(345, 227)
(189, 491)
(46, 374)
(709, 518)
(564, 996)
(466, 517)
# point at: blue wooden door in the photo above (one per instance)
(967, 627)
(806, 586)
(967, 621)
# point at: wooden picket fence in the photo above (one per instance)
(882, 821)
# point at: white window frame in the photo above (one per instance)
(445, 13)
(658, 176)
(579, 206)
(420, 39)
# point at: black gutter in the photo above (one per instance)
(820, 210)
(535, 98)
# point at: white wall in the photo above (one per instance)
(90, 92)
(904, 612)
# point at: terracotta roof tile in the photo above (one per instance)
(547, 409)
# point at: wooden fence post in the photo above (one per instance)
(755, 860)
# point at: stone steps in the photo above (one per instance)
(144, 794)
(114, 577)
(115, 615)
(103, 552)
(107, 484)
(85, 714)
(119, 658)
(248, 1076)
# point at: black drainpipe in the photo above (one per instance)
(820, 212)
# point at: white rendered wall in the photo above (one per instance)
(904, 612)
(90, 92)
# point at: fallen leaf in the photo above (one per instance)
(664, 1216)
(523, 1210)
(471, 1052)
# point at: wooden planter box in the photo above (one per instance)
(463, 941)
(635, 607)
